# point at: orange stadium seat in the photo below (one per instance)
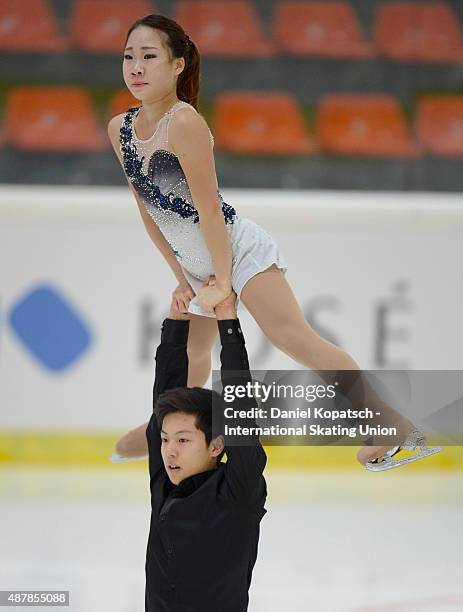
(260, 123)
(363, 124)
(320, 28)
(418, 32)
(52, 119)
(121, 101)
(100, 26)
(439, 125)
(29, 25)
(223, 27)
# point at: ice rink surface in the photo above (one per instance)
(330, 541)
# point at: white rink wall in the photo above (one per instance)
(376, 273)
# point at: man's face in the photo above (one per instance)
(184, 449)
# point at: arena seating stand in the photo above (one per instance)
(368, 124)
(224, 27)
(320, 28)
(52, 119)
(425, 32)
(261, 123)
(298, 93)
(439, 125)
(29, 25)
(100, 26)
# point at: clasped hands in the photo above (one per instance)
(210, 295)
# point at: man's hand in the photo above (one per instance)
(182, 296)
(226, 309)
(175, 314)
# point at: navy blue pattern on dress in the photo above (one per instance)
(133, 166)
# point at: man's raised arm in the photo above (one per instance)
(171, 356)
(245, 464)
(171, 371)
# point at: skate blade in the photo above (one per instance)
(388, 462)
(116, 458)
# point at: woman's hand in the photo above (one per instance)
(182, 296)
(212, 293)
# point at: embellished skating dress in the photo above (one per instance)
(157, 176)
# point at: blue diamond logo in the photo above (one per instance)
(49, 327)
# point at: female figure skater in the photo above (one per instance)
(166, 150)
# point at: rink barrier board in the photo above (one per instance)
(38, 205)
(34, 217)
(94, 449)
(355, 487)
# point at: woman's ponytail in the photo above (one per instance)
(188, 80)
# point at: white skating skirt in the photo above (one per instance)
(254, 250)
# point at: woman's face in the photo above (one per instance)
(149, 72)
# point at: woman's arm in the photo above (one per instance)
(156, 236)
(190, 140)
(153, 231)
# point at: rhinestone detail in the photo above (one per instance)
(133, 167)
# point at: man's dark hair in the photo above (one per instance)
(193, 400)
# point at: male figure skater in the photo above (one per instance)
(205, 514)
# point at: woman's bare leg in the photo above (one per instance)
(272, 303)
(270, 300)
(201, 337)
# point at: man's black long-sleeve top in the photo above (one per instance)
(204, 532)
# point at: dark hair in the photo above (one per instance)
(193, 400)
(180, 45)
